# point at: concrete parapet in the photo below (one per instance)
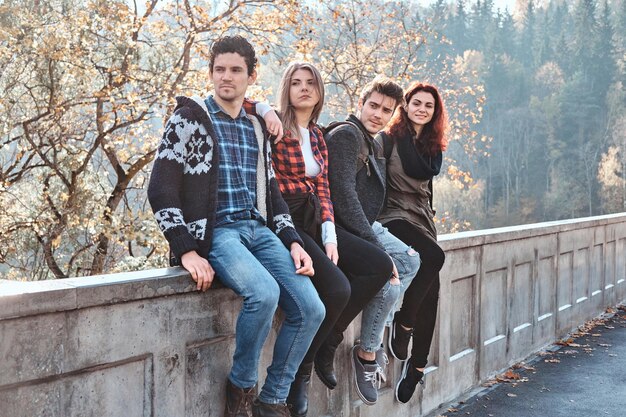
(147, 344)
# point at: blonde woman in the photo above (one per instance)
(300, 161)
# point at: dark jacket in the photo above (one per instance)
(183, 183)
(357, 189)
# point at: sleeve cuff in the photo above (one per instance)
(263, 108)
(289, 235)
(329, 235)
(183, 244)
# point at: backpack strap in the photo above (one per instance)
(430, 200)
(365, 150)
(387, 143)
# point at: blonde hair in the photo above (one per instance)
(286, 109)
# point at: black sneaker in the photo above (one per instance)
(408, 382)
(399, 340)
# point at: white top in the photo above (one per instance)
(262, 108)
(311, 167)
(329, 234)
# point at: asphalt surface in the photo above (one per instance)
(582, 376)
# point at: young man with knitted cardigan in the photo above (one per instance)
(217, 202)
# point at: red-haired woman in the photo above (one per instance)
(414, 141)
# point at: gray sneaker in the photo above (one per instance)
(382, 360)
(366, 378)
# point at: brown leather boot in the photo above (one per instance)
(238, 400)
(261, 409)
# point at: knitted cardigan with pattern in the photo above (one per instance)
(183, 184)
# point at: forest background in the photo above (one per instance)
(536, 98)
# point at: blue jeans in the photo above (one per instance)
(251, 260)
(380, 308)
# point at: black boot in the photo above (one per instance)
(298, 399)
(324, 367)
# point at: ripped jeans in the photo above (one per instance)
(380, 308)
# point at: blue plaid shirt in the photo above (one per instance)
(239, 151)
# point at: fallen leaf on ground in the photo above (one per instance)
(522, 365)
(568, 343)
(510, 377)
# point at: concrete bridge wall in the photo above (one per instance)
(146, 344)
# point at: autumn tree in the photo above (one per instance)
(84, 90)
(536, 101)
(391, 38)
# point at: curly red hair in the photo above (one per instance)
(432, 139)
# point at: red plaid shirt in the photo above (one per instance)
(288, 163)
(249, 106)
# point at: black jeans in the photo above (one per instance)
(363, 269)
(419, 306)
(367, 267)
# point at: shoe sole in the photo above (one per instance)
(392, 332)
(356, 385)
(323, 379)
(404, 369)
(298, 415)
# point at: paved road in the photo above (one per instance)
(587, 377)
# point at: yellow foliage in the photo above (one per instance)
(87, 85)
